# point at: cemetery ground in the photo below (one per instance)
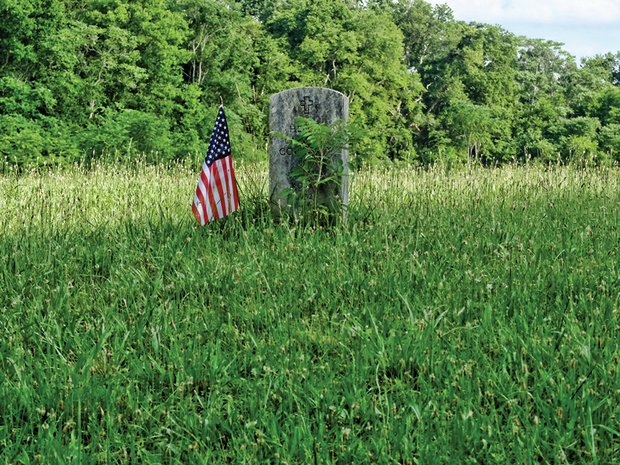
(467, 316)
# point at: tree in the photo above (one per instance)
(357, 51)
(541, 65)
(470, 126)
(78, 76)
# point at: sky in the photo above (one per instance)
(586, 27)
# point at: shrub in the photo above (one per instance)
(129, 134)
(28, 142)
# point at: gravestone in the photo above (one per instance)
(324, 106)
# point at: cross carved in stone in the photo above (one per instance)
(308, 105)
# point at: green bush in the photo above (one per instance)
(609, 140)
(23, 98)
(28, 142)
(582, 150)
(130, 134)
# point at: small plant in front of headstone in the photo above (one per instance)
(317, 169)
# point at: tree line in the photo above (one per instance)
(82, 79)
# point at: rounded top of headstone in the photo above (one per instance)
(310, 89)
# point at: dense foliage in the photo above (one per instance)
(92, 78)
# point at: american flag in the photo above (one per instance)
(216, 193)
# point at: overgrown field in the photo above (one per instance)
(459, 317)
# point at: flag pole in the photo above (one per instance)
(221, 101)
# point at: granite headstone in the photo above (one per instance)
(324, 106)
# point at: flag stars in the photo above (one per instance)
(219, 145)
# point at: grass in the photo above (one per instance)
(459, 317)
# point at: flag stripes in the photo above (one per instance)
(214, 198)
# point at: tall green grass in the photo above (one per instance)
(458, 317)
